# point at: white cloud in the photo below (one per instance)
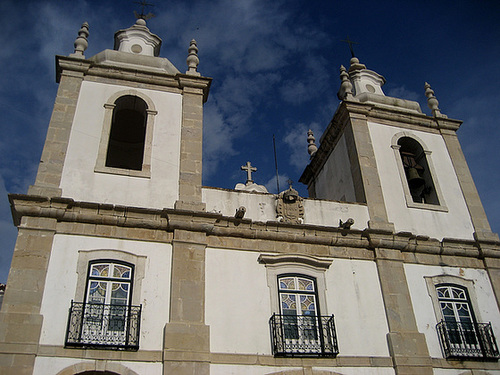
(272, 187)
(403, 93)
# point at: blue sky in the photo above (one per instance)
(275, 66)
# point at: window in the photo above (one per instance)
(460, 333)
(106, 317)
(127, 135)
(297, 327)
(417, 173)
(299, 308)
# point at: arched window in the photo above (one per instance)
(127, 134)
(106, 318)
(298, 306)
(417, 171)
(460, 334)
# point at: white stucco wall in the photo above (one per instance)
(53, 365)
(80, 182)
(334, 181)
(455, 223)
(238, 305)
(354, 297)
(262, 207)
(154, 294)
(423, 307)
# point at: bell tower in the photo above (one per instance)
(406, 166)
(123, 146)
(410, 172)
(126, 126)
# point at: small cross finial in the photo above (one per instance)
(143, 4)
(248, 167)
(350, 42)
(289, 182)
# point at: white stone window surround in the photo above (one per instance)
(433, 281)
(428, 155)
(311, 267)
(85, 257)
(109, 106)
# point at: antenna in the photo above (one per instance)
(276, 165)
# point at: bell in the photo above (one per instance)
(414, 179)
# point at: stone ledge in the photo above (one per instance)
(100, 354)
(94, 219)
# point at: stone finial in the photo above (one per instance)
(356, 65)
(432, 101)
(250, 185)
(311, 148)
(81, 42)
(345, 91)
(192, 59)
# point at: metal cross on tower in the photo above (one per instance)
(248, 167)
(143, 4)
(350, 42)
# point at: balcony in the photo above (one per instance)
(468, 341)
(103, 326)
(303, 336)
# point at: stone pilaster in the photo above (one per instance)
(407, 346)
(491, 253)
(187, 338)
(49, 174)
(20, 319)
(191, 144)
(478, 216)
(365, 173)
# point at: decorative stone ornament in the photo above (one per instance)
(192, 59)
(81, 42)
(432, 101)
(345, 91)
(289, 207)
(311, 148)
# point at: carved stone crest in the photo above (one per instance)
(289, 207)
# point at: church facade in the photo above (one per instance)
(125, 264)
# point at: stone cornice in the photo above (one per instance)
(120, 74)
(217, 225)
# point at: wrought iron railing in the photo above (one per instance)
(468, 340)
(103, 326)
(303, 336)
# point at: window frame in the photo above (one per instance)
(109, 106)
(313, 267)
(410, 203)
(85, 257)
(433, 281)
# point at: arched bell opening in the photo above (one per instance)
(417, 171)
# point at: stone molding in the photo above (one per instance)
(321, 263)
(126, 75)
(158, 221)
